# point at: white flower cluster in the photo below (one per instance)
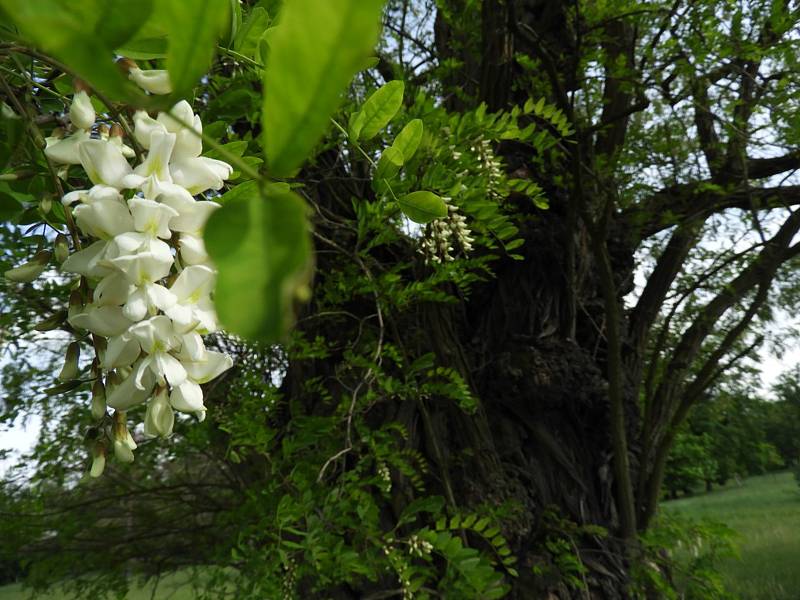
(146, 292)
(437, 245)
(491, 164)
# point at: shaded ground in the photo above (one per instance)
(765, 510)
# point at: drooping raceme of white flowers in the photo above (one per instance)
(145, 292)
(437, 244)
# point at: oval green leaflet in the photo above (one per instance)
(422, 206)
(378, 110)
(407, 141)
(314, 51)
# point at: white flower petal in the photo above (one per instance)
(135, 307)
(193, 249)
(159, 418)
(182, 111)
(212, 365)
(101, 320)
(121, 351)
(192, 216)
(154, 334)
(151, 217)
(193, 283)
(127, 395)
(187, 397)
(103, 162)
(182, 316)
(170, 367)
(144, 126)
(103, 218)
(65, 150)
(144, 266)
(157, 161)
(155, 81)
(200, 174)
(192, 347)
(81, 111)
(112, 290)
(86, 262)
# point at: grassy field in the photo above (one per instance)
(765, 510)
(172, 587)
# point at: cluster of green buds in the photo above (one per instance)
(143, 299)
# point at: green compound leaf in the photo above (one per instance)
(314, 51)
(259, 242)
(378, 110)
(423, 207)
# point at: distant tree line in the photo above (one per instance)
(735, 435)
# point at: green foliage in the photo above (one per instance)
(377, 111)
(314, 52)
(74, 34)
(690, 463)
(422, 207)
(260, 244)
(407, 141)
(731, 434)
(193, 29)
(561, 560)
(681, 559)
(252, 33)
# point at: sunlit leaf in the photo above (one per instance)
(260, 243)
(68, 32)
(407, 141)
(378, 110)
(314, 52)
(193, 30)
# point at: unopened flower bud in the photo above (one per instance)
(123, 441)
(122, 451)
(115, 136)
(126, 64)
(81, 111)
(45, 204)
(51, 322)
(98, 460)
(61, 248)
(103, 130)
(75, 305)
(7, 112)
(31, 269)
(159, 417)
(70, 369)
(98, 399)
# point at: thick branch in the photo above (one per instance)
(681, 203)
(658, 284)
